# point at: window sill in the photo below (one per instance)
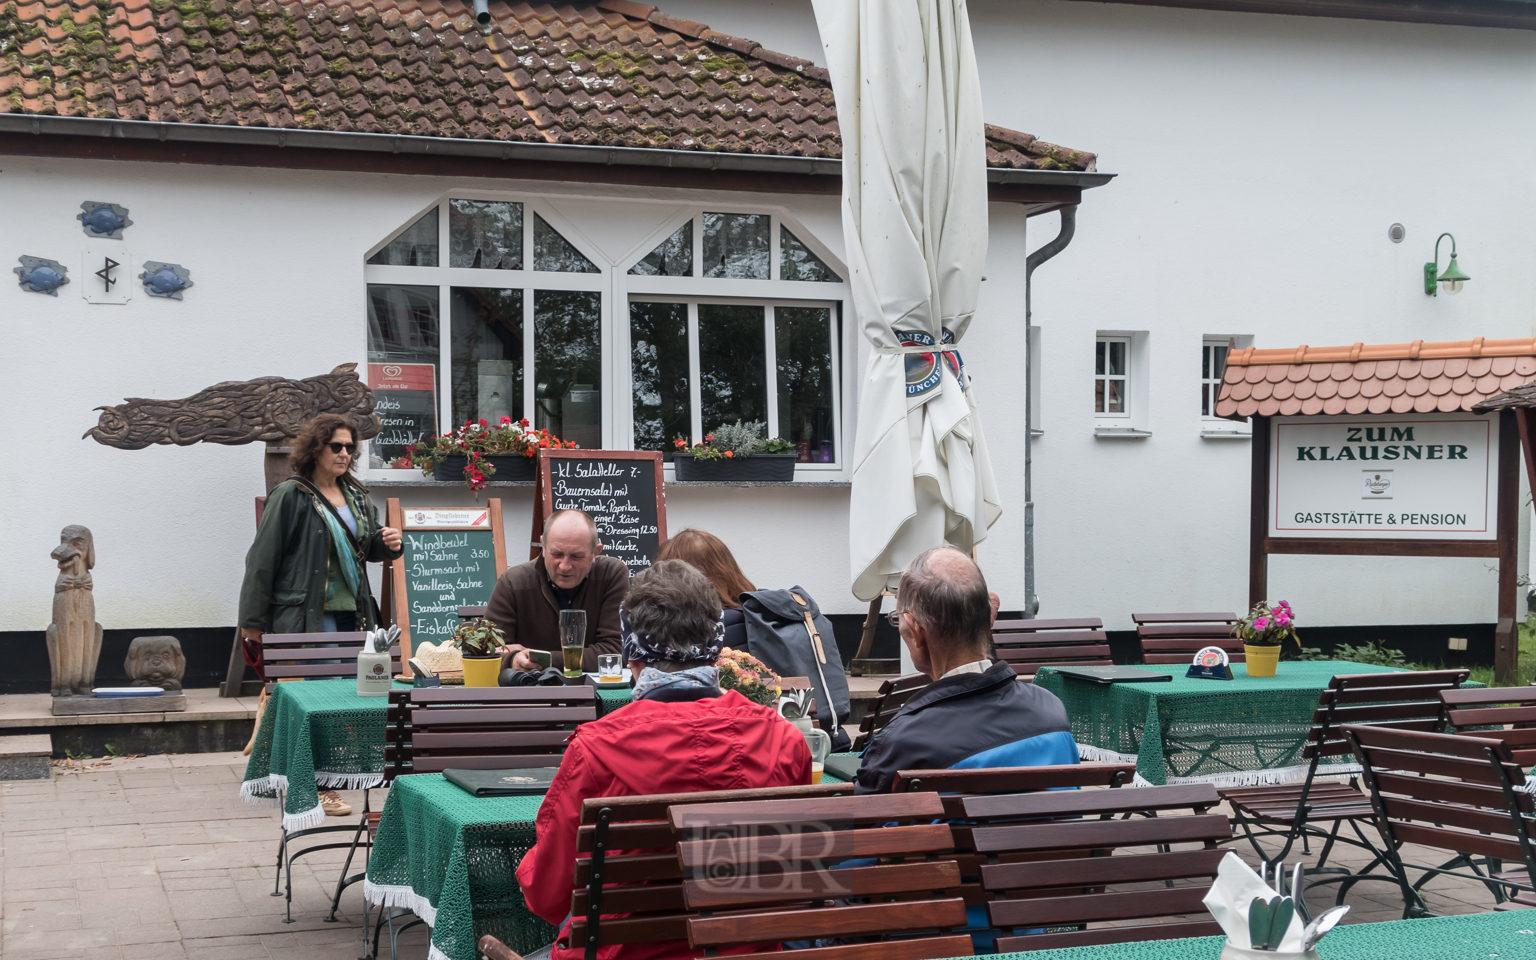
(1117, 433)
(1221, 433)
(439, 484)
(424, 482)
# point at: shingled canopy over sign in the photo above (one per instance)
(612, 74)
(1415, 377)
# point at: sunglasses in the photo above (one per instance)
(351, 448)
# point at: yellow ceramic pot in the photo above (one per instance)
(1261, 660)
(481, 671)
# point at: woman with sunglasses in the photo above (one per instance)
(306, 572)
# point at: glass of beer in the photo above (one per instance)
(573, 639)
(609, 670)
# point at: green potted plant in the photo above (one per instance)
(737, 452)
(480, 642)
(478, 451)
(1262, 632)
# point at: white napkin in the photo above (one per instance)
(1233, 893)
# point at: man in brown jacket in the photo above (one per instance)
(570, 574)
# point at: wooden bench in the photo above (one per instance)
(769, 871)
(886, 704)
(488, 728)
(1027, 645)
(1086, 885)
(1460, 794)
(1177, 637)
(288, 656)
(1511, 710)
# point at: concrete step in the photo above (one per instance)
(25, 757)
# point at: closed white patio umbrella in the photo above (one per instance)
(915, 225)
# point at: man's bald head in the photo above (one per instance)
(944, 590)
(567, 523)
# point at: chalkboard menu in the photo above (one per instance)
(620, 489)
(452, 559)
(405, 401)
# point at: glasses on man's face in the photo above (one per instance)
(894, 619)
(350, 448)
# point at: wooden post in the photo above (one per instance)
(1258, 514)
(1506, 643)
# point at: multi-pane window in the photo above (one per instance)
(523, 305)
(1213, 363)
(1111, 377)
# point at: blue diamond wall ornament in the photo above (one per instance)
(165, 279)
(100, 219)
(41, 275)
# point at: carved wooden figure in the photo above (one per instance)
(155, 662)
(74, 637)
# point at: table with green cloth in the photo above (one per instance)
(319, 734)
(1478, 936)
(1238, 732)
(451, 858)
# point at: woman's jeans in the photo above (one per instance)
(337, 621)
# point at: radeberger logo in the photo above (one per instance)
(1377, 485)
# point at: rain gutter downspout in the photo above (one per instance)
(1068, 228)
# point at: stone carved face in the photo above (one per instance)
(155, 661)
(76, 551)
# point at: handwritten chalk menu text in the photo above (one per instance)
(445, 570)
(620, 490)
(405, 401)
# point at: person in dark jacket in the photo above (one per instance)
(711, 557)
(681, 734)
(975, 714)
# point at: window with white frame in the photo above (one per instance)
(511, 325)
(1213, 364)
(1111, 377)
(733, 316)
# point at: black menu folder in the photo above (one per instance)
(1113, 674)
(520, 782)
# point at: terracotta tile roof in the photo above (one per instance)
(616, 74)
(1414, 377)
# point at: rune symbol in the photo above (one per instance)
(105, 273)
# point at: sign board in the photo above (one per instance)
(1392, 476)
(405, 401)
(452, 559)
(620, 489)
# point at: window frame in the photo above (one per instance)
(1126, 401)
(1213, 427)
(618, 288)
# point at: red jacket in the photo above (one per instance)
(650, 747)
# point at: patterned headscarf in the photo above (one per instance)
(638, 646)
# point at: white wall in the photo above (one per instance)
(1261, 160)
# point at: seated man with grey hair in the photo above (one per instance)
(975, 713)
(680, 734)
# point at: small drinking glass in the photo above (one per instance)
(573, 639)
(608, 668)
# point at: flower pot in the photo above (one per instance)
(509, 466)
(1261, 660)
(481, 671)
(761, 467)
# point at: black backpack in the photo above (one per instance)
(786, 630)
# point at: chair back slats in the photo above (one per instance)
(1187, 631)
(1085, 803)
(887, 703)
(1176, 637)
(655, 806)
(525, 761)
(432, 729)
(1095, 877)
(455, 697)
(729, 893)
(1156, 618)
(288, 656)
(775, 848)
(1409, 700)
(1014, 779)
(1034, 626)
(524, 741)
(1027, 645)
(927, 948)
(1107, 935)
(836, 810)
(1447, 792)
(844, 921)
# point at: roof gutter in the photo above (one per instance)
(482, 149)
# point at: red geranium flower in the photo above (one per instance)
(729, 453)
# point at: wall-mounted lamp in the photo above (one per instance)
(1453, 278)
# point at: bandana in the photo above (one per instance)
(638, 646)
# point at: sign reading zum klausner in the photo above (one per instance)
(1413, 476)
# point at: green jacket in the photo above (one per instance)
(285, 569)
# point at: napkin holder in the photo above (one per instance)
(1231, 951)
(1230, 900)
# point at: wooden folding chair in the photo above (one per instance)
(1087, 884)
(1510, 712)
(1177, 637)
(770, 871)
(887, 703)
(628, 881)
(307, 656)
(1319, 810)
(1466, 795)
(1027, 645)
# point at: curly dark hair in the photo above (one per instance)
(313, 438)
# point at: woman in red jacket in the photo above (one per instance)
(680, 735)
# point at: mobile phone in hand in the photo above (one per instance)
(541, 657)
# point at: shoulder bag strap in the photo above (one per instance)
(357, 549)
(821, 654)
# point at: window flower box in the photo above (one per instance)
(759, 467)
(509, 466)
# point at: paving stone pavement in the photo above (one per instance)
(158, 858)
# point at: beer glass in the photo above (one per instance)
(573, 639)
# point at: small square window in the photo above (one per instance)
(485, 234)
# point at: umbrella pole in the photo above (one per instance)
(861, 665)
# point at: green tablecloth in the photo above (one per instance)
(1227, 732)
(320, 734)
(1480, 936)
(451, 859)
